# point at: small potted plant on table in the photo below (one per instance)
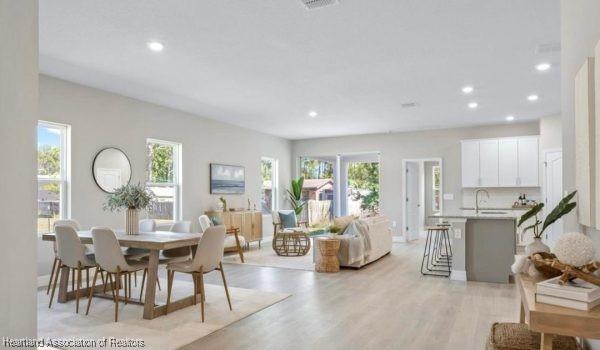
(133, 198)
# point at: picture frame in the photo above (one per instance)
(227, 179)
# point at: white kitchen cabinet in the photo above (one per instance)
(500, 162)
(470, 163)
(528, 162)
(488, 163)
(508, 163)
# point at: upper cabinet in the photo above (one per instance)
(501, 162)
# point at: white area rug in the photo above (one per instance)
(265, 256)
(166, 332)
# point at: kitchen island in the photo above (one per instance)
(483, 244)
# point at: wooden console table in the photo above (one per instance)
(550, 320)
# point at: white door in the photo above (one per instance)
(508, 168)
(412, 199)
(528, 162)
(470, 163)
(488, 163)
(553, 192)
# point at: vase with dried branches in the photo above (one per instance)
(132, 198)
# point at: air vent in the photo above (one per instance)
(409, 105)
(547, 48)
(313, 4)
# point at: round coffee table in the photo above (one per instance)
(291, 243)
(326, 250)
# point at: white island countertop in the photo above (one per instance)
(482, 214)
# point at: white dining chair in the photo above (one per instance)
(71, 254)
(182, 253)
(209, 255)
(205, 222)
(110, 259)
(75, 225)
(147, 225)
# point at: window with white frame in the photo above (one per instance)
(52, 174)
(435, 190)
(164, 179)
(270, 185)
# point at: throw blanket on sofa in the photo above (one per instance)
(355, 243)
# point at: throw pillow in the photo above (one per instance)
(288, 220)
(216, 220)
(343, 221)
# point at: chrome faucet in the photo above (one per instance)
(477, 198)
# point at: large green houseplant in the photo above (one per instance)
(563, 208)
(295, 196)
(132, 198)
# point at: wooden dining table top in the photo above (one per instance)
(157, 240)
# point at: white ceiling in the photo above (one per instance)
(265, 64)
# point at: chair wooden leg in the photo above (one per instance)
(109, 279)
(87, 277)
(78, 287)
(55, 282)
(143, 280)
(91, 295)
(126, 286)
(103, 280)
(117, 287)
(170, 275)
(135, 278)
(72, 279)
(51, 275)
(195, 280)
(202, 292)
(225, 284)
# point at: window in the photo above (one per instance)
(52, 174)
(164, 179)
(270, 185)
(435, 175)
(318, 189)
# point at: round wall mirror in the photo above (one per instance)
(111, 169)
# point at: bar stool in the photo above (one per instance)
(437, 258)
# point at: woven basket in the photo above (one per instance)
(516, 336)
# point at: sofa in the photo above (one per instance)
(354, 250)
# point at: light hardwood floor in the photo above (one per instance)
(385, 305)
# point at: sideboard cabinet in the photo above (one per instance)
(249, 222)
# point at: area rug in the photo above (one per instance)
(265, 256)
(172, 331)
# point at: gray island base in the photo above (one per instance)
(483, 245)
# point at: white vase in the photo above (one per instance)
(536, 246)
(132, 221)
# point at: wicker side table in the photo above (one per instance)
(293, 243)
(327, 260)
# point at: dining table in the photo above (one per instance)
(154, 242)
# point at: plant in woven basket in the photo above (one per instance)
(563, 208)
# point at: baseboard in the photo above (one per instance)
(458, 275)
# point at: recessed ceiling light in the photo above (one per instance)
(543, 66)
(467, 89)
(155, 46)
(510, 118)
(312, 114)
(532, 97)
(473, 105)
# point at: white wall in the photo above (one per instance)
(394, 147)
(18, 115)
(99, 119)
(580, 31)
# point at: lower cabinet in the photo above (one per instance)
(248, 222)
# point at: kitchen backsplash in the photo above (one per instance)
(499, 197)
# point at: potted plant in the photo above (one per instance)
(563, 208)
(133, 198)
(295, 196)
